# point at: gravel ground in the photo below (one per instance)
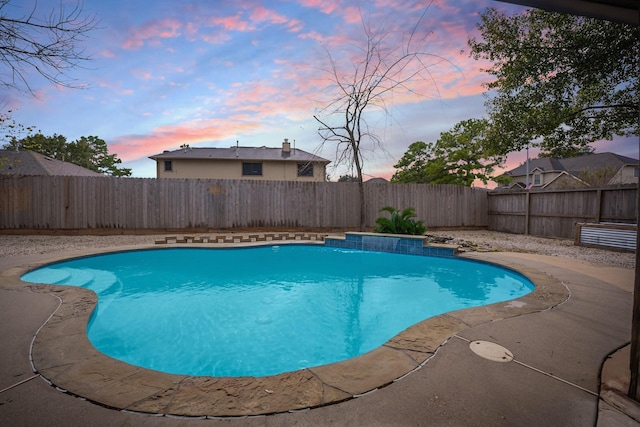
(482, 240)
(468, 240)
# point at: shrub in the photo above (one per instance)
(401, 222)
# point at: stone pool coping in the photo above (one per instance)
(62, 354)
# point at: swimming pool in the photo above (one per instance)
(265, 310)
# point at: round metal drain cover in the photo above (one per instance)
(491, 351)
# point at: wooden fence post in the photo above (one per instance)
(598, 205)
(527, 211)
(66, 202)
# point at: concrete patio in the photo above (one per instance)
(559, 339)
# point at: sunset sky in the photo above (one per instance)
(209, 73)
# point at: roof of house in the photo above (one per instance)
(26, 162)
(377, 180)
(240, 153)
(574, 165)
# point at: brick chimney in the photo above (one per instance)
(286, 146)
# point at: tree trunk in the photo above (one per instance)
(363, 223)
(356, 161)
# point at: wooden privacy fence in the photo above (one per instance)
(39, 202)
(555, 213)
(55, 202)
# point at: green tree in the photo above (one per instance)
(10, 129)
(411, 168)
(561, 81)
(54, 146)
(348, 178)
(457, 157)
(92, 153)
(89, 152)
(567, 151)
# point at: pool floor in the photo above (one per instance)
(200, 312)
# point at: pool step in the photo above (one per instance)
(241, 238)
(61, 276)
(77, 277)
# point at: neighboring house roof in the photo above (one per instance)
(597, 161)
(574, 165)
(240, 153)
(376, 181)
(26, 162)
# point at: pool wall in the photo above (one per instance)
(402, 244)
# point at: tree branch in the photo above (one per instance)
(50, 46)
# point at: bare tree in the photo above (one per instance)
(384, 66)
(46, 43)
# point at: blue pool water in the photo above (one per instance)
(270, 309)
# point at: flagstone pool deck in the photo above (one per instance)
(560, 335)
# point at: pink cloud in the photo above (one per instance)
(330, 41)
(131, 147)
(231, 23)
(288, 93)
(142, 74)
(402, 5)
(452, 31)
(324, 6)
(107, 53)
(352, 15)
(152, 32)
(295, 25)
(114, 88)
(446, 6)
(253, 92)
(132, 43)
(145, 75)
(256, 15)
(191, 28)
(262, 14)
(313, 35)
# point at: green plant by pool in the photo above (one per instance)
(399, 222)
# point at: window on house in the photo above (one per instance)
(305, 169)
(537, 179)
(251, 169)
(635, 172)
(168, 166)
